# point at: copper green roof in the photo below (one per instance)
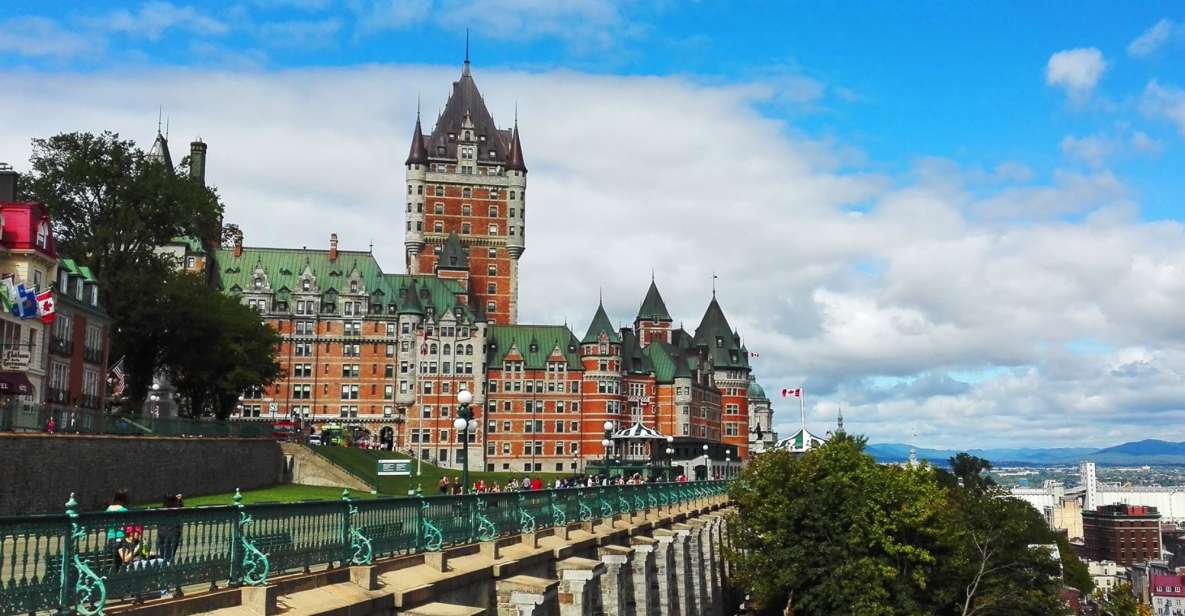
(284, 268)
(653, 308)
(71, 266)
(453, 255)
(669, 362)
(634, 360)
(534, 342)
(600, 325)
(756, 392)
(723, 344)
(192, 244)
(409, 300)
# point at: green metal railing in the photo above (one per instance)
(70, 563)
(25, 417)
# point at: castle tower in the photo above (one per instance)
(468, 178)
(601, 389)
(653, 322)
(721, 346)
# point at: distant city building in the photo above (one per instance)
(1106, 574)
(1124, 534)
(1168, 595)
(1066, 514)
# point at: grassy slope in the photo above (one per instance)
(364, 464)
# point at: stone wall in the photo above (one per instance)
(41, 470)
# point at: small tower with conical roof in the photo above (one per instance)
(602, 386)
(653, 322)
(467, 178)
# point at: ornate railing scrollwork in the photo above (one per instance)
(606, 508)
(361, 551)
(558, 517)
(586, 513)
(432, 535)
(486, 530)
(90, 589)
(254, 565)
(526, 521)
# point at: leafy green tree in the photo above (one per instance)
(971, 471)
(1119, 600)
(832, 532)
(1074, 571)
(112, 207)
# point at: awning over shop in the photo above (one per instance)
(15, 384)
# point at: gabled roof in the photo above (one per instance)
(669, 361)
(453, 255)
(534, 342)
(718, 337)
(409, 300)
(800, 442)
(634, 359)
(466, 100)
(600, 325)
(653, 308)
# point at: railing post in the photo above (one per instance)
(347, 551)
(64, 598)
(236, 540)
(420, 524)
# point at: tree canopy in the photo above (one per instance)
(833, 532)
(112, 207)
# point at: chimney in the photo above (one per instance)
(8, 179)
(238, 244)
(197, 161)
(333, 247)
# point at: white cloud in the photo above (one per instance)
(379, 15)
(948, 272)
(155, 18)
(1166, 102)
(42, 37)
(303, 34)
(1095, 150)
(1153, 38)
(1076, 70)
(1092, 149)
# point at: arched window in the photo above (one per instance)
(447, 349)
(353, 286)
(432, 349)
(469, 349)
(43, 234)
(306, 285)
(466, 192)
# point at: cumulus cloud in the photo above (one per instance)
(1164, 101)
(1153, 38)
(837, 275)
(1077, 71)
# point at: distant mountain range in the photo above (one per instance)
(1148, 451)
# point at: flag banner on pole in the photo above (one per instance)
(792, 393)
(753, 354)
(45, 306)
(25, 306)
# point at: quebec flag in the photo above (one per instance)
(25, 302)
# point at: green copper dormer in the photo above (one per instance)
(600, 325)
(410, 300)
(453, 255)
(653, 308)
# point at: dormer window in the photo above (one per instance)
(43, 234)
(353, 286)
(94, 295)
(452, 136)
(78, 289)
(719, 342)
(306, 285)
(481, 138)
(258, 282)
(63, 280)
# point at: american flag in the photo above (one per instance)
(118, 379)
(792, 393)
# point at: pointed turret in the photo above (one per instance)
(721, 342)
(419, 151)
(453, 254)
(653, 308)
(600, 325)
(514, 160)
(160, 151)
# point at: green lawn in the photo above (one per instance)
(364, 464)
(276, 494)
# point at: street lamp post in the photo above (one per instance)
(463, 424)
(670, 456)
(605, 442)
(707, 463)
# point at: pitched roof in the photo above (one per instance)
(453, 255)
(634, 359)
(639, 432)
(600, 325)
(284, 269)
(653, 308)
(669, 361)
(418, 152)
(409, 300)
(723, 344)
(466, 100)
(800, 442)
(514, 160)
(159, 151)
(535, 343)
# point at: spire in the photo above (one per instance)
(160, 151)
(514, 160)
(419, 151)
(839, 421)
(600, 325)
(465, 70)
(653, 308)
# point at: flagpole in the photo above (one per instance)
(802, 410)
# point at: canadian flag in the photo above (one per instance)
(792, 393)
(45, 306)
(753, 354)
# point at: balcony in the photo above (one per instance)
(61, 346)
(93, 355)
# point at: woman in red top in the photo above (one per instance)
(536, 484)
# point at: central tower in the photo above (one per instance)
(468, 178)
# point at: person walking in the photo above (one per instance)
(444, 486)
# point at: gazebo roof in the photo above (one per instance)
(639, 432)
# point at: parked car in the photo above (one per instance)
(314, 439)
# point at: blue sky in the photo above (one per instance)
(970, 213)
